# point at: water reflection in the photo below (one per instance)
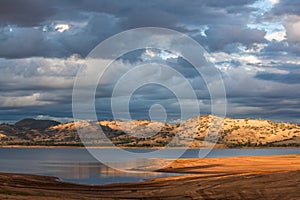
(78, 166)
(97, 173)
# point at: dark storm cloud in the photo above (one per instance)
(36, 78)
(290, 78)
(25, 12)
(286, 7)
(92, 21)
(276, 48)
(288, 12)
(278, 109)
(218, 37)
(20, 42)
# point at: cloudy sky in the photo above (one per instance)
(254, 44)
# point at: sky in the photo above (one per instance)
(254, 44)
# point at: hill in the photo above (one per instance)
(28, 124)
(195, 132)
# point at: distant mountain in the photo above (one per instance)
(29, 124)
(196, 132)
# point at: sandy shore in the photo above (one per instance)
(264, 177)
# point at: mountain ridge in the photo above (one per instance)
(195, 132)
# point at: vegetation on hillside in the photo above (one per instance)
(195, 132)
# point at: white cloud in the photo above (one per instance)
(158, 54)
(23, 101)
(278, 36)
(292, 26)
(249, 59)
(62, 27)
(150, 53)
(59, 119)
(274, 1)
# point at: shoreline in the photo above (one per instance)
(245, 177)
(124, 147)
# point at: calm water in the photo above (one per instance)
(78, 166)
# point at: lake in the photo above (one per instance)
(77, 165)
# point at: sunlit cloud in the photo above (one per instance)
(274, 1)
(162, 54)
(62, 27)
(278, 36)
